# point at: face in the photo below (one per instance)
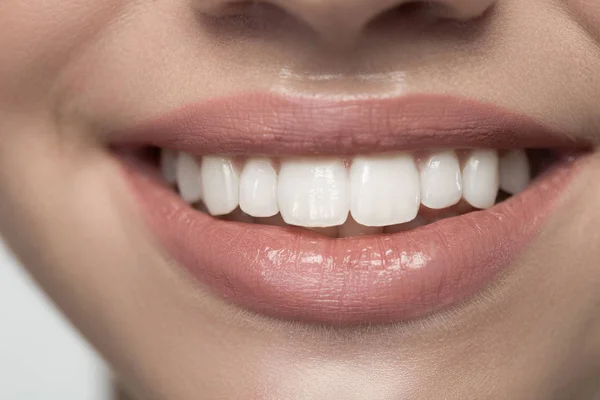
(312, 199)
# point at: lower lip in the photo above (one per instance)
(295, 275)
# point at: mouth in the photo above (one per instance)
(347, 212)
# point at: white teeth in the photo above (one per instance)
(168, 165)
(481, 179)
(352, 228)
(385, 190)
(189, 178)
(221, 183)
(515, 173)
(314, 192)
(374, 194)
(258, 188)
(441, 180)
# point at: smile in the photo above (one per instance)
(347, 212)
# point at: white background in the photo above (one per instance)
(41, 356)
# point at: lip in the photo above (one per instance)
(296, 275)
(280, 125)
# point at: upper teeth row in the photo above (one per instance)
(378, 190)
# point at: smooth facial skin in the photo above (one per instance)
(73, 70)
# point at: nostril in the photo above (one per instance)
(246, 17)
(409, 12)
(419, 11)
(414, 19)
(339, 23)
(410, 8)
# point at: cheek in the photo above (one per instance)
(587, 13)
(38, 37)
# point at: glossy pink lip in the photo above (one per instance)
(289, 274)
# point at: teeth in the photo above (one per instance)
(168, 165)
(189, 178)
(367, 195)
(258, 188)
(385, 190)
(481, 178)
(314, 192)
(221, 183)
(515, 173)
(441, 180)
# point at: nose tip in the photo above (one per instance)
(343, 21)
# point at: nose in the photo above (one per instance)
(343, 21)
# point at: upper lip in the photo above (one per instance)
(280, 125)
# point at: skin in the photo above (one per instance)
(72, 71)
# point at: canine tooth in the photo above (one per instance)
(481, 179)
(258, 188)
(441, 180)
(385, 190)
(352, 228)
(515, 173)
(221, 183)
(168, 165)
(313, 193)
(189, 178)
